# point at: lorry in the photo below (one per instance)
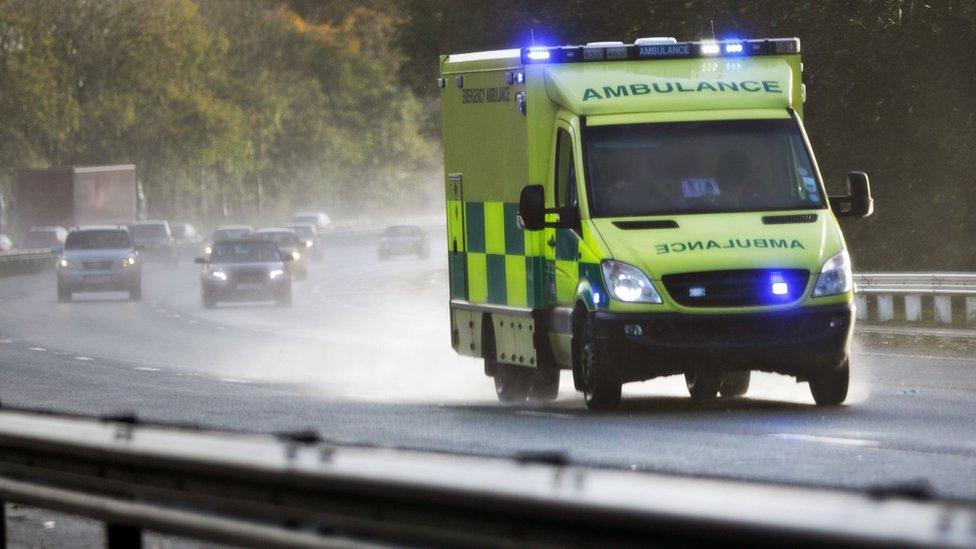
(75, 196)
(630, 211)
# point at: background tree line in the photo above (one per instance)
(232, 108)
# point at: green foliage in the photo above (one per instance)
(226, 107)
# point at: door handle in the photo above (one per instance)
(552, 242)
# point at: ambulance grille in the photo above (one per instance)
(788, 219)
(652, 224)
(738, 288)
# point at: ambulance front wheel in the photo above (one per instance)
(601, 386)
(829, 387)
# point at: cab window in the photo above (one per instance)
(565, 179)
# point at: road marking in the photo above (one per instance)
(174, 316)
(536, 413)
(83, 358)
(191, 321)
(36, 349)
(146, 369)
(234, 380)
(827, 440)
(5, 340)
(923, 357)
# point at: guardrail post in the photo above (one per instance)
(943, 309)
(971, 310)
(861, 302)
(122, 536)
(913, 308)
(886, 307)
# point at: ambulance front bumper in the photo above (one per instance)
(796, 342)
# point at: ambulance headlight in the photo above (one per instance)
(835, 276)
(628, 283)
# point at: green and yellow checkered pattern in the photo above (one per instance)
(496, 262)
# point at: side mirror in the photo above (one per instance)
(56, 249)
(858, 202)
(532, 208)
(201, 261)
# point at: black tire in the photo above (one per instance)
(545, 384)
(829, 387)
(64, 294)
(209, 302)
(735, 384)
(703, 385)
(135, 292)
(601, 386)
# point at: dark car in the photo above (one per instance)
(45, 237)
(98, 259)
(307, 233)
(289, 244)
(403, 240)
(155, 239)
(245, 270)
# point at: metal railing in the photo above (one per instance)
(876, 295)
(264, 490)
(25, 261)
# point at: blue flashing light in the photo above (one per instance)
(778, 285)
(596, 298)
(733, 48)
(538, 54)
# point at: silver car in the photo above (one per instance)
(98, 259)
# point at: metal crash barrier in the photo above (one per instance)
(293, 490)
(876, 295)
(25, 262)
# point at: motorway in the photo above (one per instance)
(364, 357)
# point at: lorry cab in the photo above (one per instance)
(633, 211)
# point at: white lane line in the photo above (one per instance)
(174, 316)
(923, 357)
(191, 322)
(36, 349)
(827, 440)
(83, 358)
(234, 380)
(6, 340)
(146, 369)
(535, 413)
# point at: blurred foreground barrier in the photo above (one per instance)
(924, 297)
(263, 490)
(25, 261)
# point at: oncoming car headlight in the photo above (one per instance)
(65, 263)
(276, 274)
(207, 250)
(308, 243)
(296, 255)
(835, 276)
(628, 283)
(128, 261)
(218, 275)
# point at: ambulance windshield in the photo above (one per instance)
(698, 167)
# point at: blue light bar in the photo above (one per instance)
(677, 50)
(537, 54)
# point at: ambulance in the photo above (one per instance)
(630, 211)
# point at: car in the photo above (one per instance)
(6, 244)
(155, 238)
(320, 219)
(307, 233)
(403, 240)
(227, 232)
(289, 244)
(98, 259)
(45, 237)
(245, 270)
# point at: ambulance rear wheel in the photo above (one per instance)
(545, 383)
(703, 385)
(513, 383)
(735, 384)
(829, 388)
(601, 387)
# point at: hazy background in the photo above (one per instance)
(252, 109)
